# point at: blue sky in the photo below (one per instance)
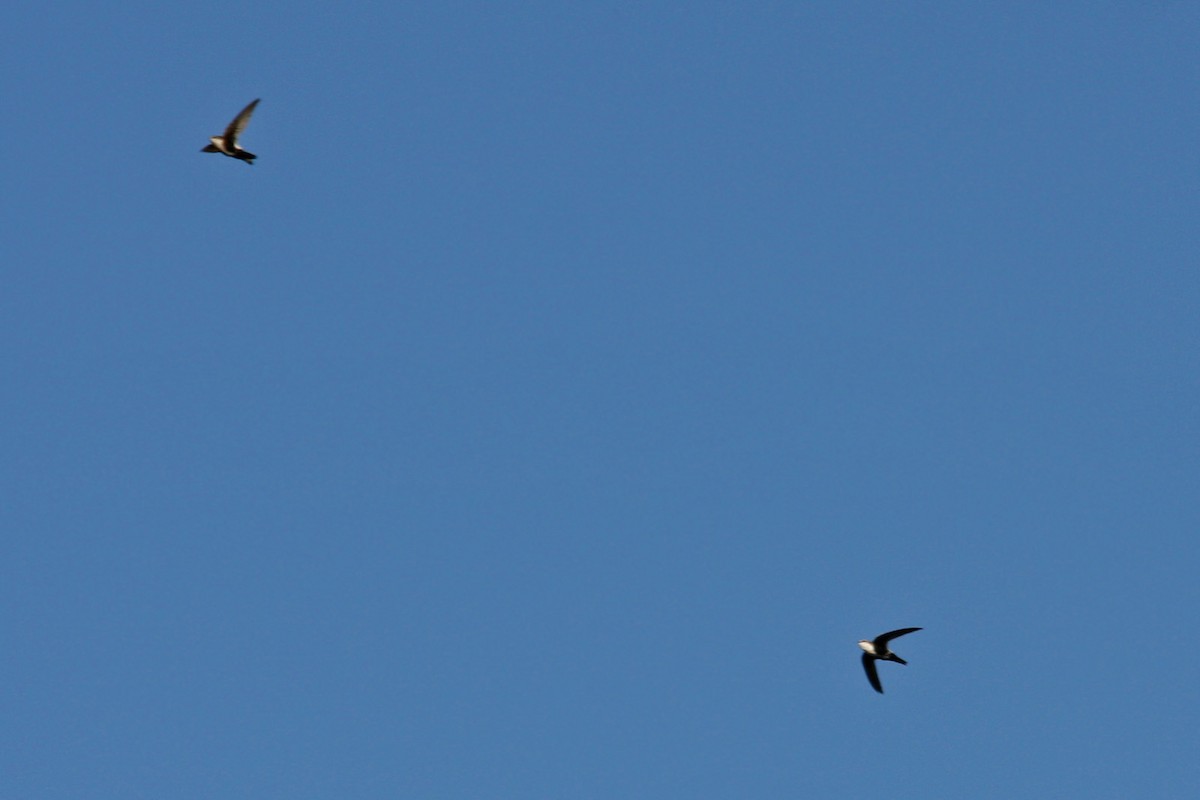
(568, 387)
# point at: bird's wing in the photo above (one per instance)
(872, 675)
(239, 124)
(884, 638)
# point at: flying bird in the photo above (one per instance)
(226, 144)
(878, 651)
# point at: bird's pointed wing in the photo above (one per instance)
(239, 124)
(884, 638)
(872, 675)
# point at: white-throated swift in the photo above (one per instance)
(226, 144)
(878, 651)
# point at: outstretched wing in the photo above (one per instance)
(884, 638)
(239, 124)
(872, 675)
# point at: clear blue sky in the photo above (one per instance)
(569, 386)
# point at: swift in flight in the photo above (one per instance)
(226, 144)
(877, 650)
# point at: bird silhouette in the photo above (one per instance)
(226, 144)
(877, 650)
